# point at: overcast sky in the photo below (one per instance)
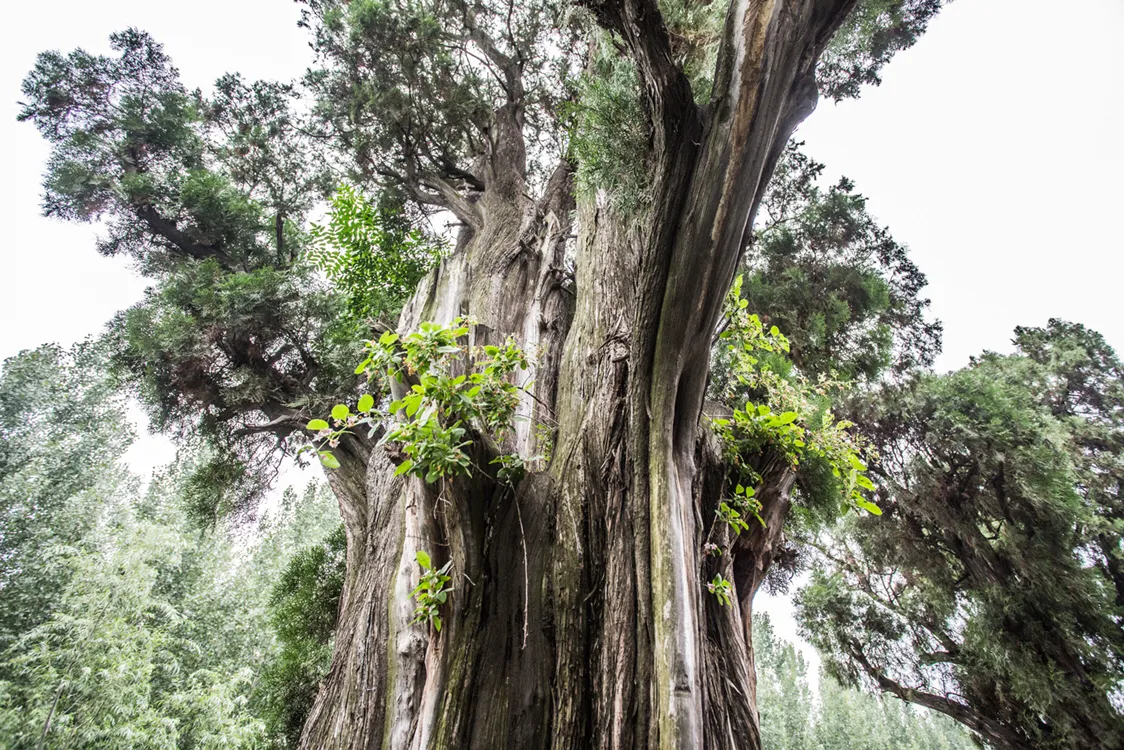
(992, 149)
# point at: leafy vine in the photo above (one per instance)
(793, 419)
(445, 387)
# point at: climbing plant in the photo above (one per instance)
(782, 413)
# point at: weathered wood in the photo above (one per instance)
(603, 636)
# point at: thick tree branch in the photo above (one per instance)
(167, 230)
(508, 66)
(453, 199)
(994, 732)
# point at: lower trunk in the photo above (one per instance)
(580, 616)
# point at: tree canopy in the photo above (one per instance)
(990, 589)
(239, 338)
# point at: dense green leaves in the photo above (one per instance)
(208, 196)
(991, 586)
(793, 420)
(846, 294)
(437, 408)
(151, 644)
(62, 429)
(304, 605)
(372, 254)
(411, 88)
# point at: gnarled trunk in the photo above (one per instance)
(580, 616)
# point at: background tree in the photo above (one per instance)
(151, 644)
(304, 553)
(62, 429)
(793, 717)
(582, 608)
(990, 588)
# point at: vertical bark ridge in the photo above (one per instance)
(604, 637)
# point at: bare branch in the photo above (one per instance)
(453, 200)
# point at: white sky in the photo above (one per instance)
(992, 149)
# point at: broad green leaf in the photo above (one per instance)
(329, 460)
(340, 412)
(318, 424)
(869, 507)
(412, 404)
(366, 402)
(404, 467)
(423, 559)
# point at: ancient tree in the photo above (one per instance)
(581, 613)
(603, 506)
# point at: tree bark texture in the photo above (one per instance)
(580, 616)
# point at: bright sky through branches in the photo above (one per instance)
(992, 149)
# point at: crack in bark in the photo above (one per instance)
(580, 619)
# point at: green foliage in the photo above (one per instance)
(239, 337)
(695, 30)
(432, 591)
(371, 253)
(993, 580)
(732, 518)
(846, 293)
(795, 420)
(608, 132)
(139, 630)
(795, 717)
(436, 411)
(62, 429)
(150, 644)
(411, 86)
(512, 467)
(721, 589)
(176, 176)
(303, 609)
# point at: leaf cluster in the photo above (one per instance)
(793, 421)
(432, 590)
(993, 582)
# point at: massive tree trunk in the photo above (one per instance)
(580, 616)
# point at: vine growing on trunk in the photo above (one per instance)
(784, 413)
(432, 590)
(445, 388)
(437, 405)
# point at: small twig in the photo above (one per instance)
(526, 574)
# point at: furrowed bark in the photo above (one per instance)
(580, 616)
